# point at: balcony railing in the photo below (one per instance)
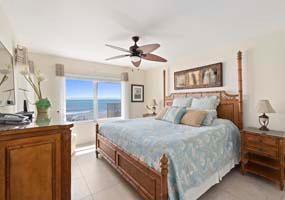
(113, 110)
(109, 110)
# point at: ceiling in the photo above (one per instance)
(80, 28)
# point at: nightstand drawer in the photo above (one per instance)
(263, 150)
(257, 140)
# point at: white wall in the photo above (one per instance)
(53, 86)
(264, 75)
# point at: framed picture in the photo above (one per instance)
(137, 93)
(200, 77)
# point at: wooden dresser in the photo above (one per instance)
(262, 153)
(35, 162)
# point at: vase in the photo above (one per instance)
(42, 109)
(42, 113)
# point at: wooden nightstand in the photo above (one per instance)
(149, 115)
(262, 154)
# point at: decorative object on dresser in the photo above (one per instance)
(13, 119)
(42, 103)
(35, 162)
(262, 154)
(264, 107)
(200, 77)
(137, 93)
(152, 107)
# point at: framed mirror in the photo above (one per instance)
(7, 87)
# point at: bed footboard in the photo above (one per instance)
(149, 183)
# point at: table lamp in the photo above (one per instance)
(264, 107)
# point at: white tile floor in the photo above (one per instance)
(94, 179)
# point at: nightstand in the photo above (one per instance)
(149, 115)
(262, 154)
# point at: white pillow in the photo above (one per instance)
(182, 102)
(205, 103)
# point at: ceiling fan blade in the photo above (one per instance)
(116, 57)
(153, 57)
(148, 48)
(137, 64)
(118, 48)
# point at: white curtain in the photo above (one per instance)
(125, 95)
(59, 104)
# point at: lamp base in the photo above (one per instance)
(263, 128)
(263, 121)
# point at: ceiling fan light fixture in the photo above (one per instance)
(135, 58)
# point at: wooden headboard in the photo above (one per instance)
(231, 105)
(228, 108)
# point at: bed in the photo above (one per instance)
(164, 161)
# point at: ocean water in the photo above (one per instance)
(86, 105)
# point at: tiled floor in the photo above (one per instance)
(94, 179)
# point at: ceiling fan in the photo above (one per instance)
(136, 53)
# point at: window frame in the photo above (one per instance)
(95, 80)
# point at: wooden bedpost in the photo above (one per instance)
(164, 87)
(164, 179)
(96, 142)
(240, 92)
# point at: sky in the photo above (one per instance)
(83, 89)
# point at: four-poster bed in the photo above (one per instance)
(151, 183)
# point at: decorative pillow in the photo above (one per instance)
(182, 102)
(211, 116)
(174, 114)
(205, 103)
(161, 114)
(194, 117)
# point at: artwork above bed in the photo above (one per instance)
(200, 77)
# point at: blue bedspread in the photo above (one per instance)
(194, 153)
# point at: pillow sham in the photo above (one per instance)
(194, 117)
(161, 113)
(205, 103)
(182, 102)
(210, 117)
(174, 114)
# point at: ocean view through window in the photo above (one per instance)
(91, 99)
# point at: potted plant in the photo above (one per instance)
(42, 103)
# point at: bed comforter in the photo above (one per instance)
(194, 153)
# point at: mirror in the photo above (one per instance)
(7, 89)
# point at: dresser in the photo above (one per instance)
(35, 162)
(262, 154)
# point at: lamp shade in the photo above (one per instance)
(264, 106)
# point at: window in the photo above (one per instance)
(91, 99)
(109, 99)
